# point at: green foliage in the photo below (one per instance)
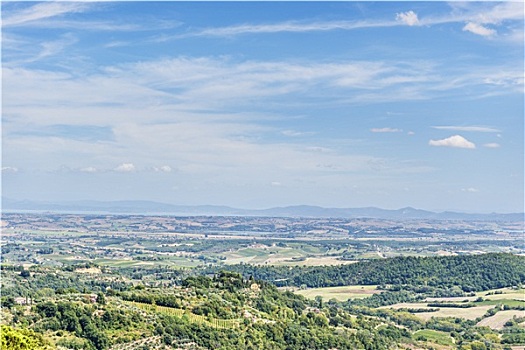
(514, 335)
(229, 310)
(101, 298)
(7, 302)
(21, 339)
(453, 305)
(469, 272)
(387, 298)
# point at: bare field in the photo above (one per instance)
(518, 294)
(507, 296)
(339, 293)
(90, 270)
(498, 320)
(468, 313)
(506, 293)
(291, 256)
(317, 261)
(406, 306)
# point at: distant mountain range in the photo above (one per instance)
(148, 207)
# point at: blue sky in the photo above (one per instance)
(261, 104)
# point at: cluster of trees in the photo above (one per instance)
(281, 320)
(21, 339)
(36, 280)
(454, 305)
(514, 335)
(78, 319)
(387, 298)
(307, 333)
(469, 272)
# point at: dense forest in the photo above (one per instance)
(468, 272)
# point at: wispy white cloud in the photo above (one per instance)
(478, 16)
(478, 12)
(456, 141)
(223, 79)
(491, 13)
(475, 18)
(514, 35)
(479, 29)
(492, 145)
(318, 149)
(125, 168)
(290, 26)
(9, 169)
(185, 88)
(117, 44)
(385, 130)
(54, 14)
(162, 169)
(93, 26)
(52, 48)
(214, 119)
(470, 190)
(409, 18)
(294, 133)
(467, 128)
(45, 10)
(89, 169)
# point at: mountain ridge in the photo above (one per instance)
(152, 207)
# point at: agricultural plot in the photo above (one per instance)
(498, 320)
(508, 297)
(293, 255)
(149, 242)
(495, 294)
(506, 293)
(470, 313)
(437, 337)
(314, 261)
(215, 323)
(518, 347)
(339, 293)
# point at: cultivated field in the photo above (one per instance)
(503, 293)
(504, 296)
(438, 337)
(498, 320)
(470, 313)
(339, 293)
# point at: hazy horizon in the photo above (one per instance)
(260, 105)
(136, 202)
